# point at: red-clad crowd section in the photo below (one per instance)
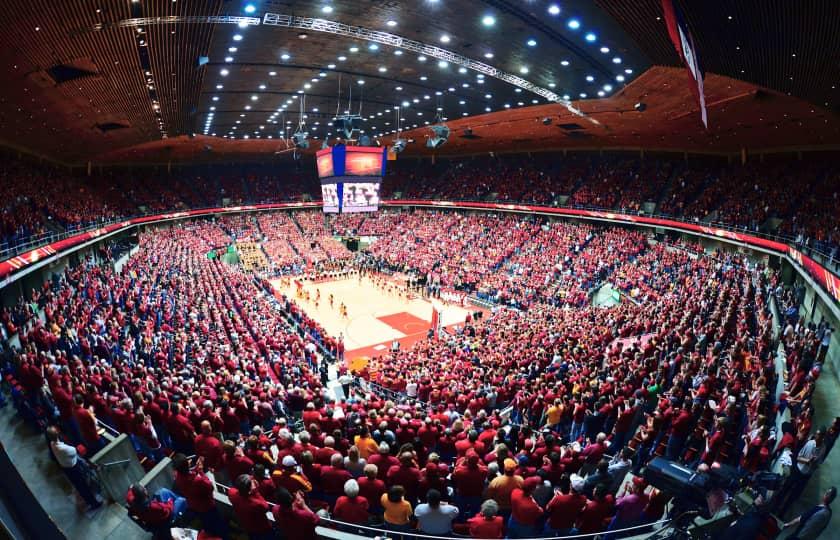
(826, 279)
(532, 421)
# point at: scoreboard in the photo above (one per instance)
(350, 177)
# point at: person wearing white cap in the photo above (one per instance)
(290, 478)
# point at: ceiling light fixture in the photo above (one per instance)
(574, 24)
(531, 42)
(237, 37)
(444, 38)
(488, 20)
(554, 9)
(590, 37)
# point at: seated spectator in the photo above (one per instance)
(158, 511)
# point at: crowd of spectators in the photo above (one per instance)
(191, 355)
(794, 198)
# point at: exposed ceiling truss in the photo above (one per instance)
(393, 40)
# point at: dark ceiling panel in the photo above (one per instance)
(741, 116)
(789, 46)
(260, 97)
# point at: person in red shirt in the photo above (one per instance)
(564, 509)
(597, 512)
(372, 488)
(288, 477)
(525, 512)
(156, 512)
(487, 524)
(181, 430)
(198, 489)
(406, 475)
(351, 507)
(208, 446)
(383, 460)
(292, 514)
(468, 477)
(87, 426)
(680, 428)
(250, 508)
(235, 461)
(333, 477)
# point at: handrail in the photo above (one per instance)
(387, 533)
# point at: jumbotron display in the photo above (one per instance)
(340, 160)
(350, 178)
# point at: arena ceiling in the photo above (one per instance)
(117, 80)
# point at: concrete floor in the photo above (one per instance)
(27, 450)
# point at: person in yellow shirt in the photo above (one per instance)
(397, 510)
(366, 444)
(501, 487)
(554, 415)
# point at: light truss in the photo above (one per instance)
(393, 40)
(176, 19)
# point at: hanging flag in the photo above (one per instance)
(435, 322)
(684, 43)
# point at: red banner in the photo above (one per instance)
(828, 281)
(684, 44)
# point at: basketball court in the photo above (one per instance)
(375, 317)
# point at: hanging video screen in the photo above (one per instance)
(330, 198)
(360, 196)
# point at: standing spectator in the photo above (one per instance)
(291, 514)
(435, 517)
(468, 477)
(72, 465)
(372, 488)
(250, 508)
(351, 507)
(365, 443)
(290, 478)
(397, 509)
(812, 523)
(594, 515)
(407, 475)
(333, 478)
(486, 524)
(87, 426)
(525, 512)
(629, 508)
(807, 461)
(564, 509)
(501, 487)
(208, 446)
(198, 489)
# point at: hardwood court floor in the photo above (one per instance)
(374, 317)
